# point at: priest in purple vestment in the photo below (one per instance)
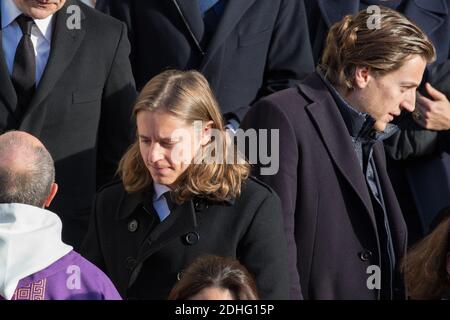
(34, 262)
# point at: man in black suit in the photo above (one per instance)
(246, 49)
(419, 165)
(339, 207)
(65, 77)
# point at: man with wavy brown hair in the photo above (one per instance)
(175, 203)
(344, 226)
(419, 153)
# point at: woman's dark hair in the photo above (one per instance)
(215, 272)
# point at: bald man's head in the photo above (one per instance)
(26, 169)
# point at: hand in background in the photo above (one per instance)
(434, 113)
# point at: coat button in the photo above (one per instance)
(200, 205)
(130, 263)
(133, 225)
(365, 255)
(191, 238)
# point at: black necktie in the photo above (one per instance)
(24, 69)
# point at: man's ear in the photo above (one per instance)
(362, 77)
(51, 195)
(206, 133)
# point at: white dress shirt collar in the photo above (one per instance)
(10, 12)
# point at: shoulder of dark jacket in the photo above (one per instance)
(112, 185)
(99, 19)
(262, 184)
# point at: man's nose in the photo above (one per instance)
(410, 102)
(155, 153)
(408, 106)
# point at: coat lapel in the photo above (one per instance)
(334, 10)
(7, 92)
(428, 15)
(234, 10)
(397, 224)
(192, 18)
(330, 124)
(177, 224)
(64, 46)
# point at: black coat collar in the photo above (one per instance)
(130, 202)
